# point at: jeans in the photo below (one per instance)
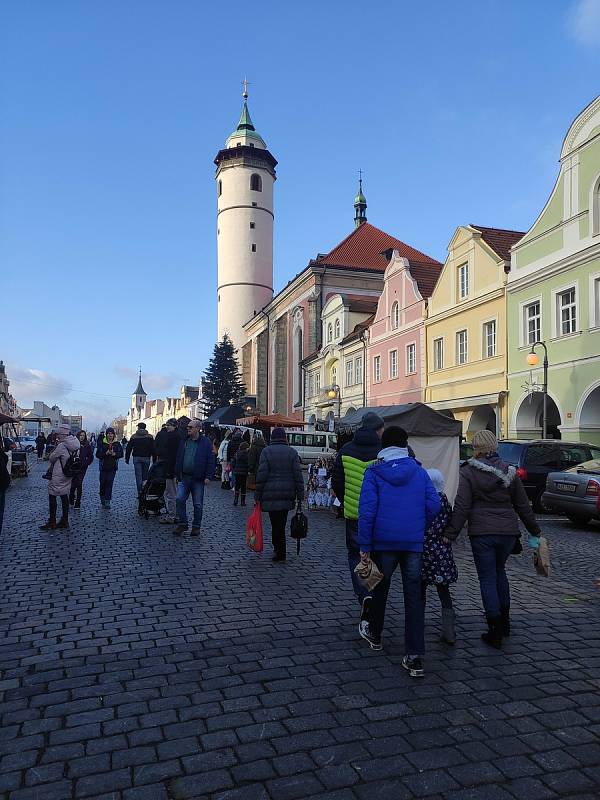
(414, 610)
(490, 554)
(170, 495)
(186, 486)
(2, 502)
(353, 549)
(240, 487)
(278, 522)
(141, 465)
(76, 488)
(107, 477)
(64, 501)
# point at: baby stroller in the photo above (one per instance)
(152, 499)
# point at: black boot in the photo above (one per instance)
(243, 503)
(64, 522)
(236, 497)
(505, 621)
(493, 637)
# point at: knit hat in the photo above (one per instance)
(172, 422)
(278, 435)
(372, 421)
(109, 430)
(484, 442)
(437, 478)
(142, 425)
(64, 430)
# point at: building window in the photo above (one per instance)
(334, 375)
(461, 347)
(358, 369)
(377, 369)
(596, 301)
(254, 248)
(463, 281)
(256, 183)
(411, 359)
(252, 225)
(349, 372)
(220, 188)
(567, 312)
(395, 315)
(595, 209)
(489, 339)
(329, 333)
(254, 204)
(393, 364)
(532, 322)
(337, 329)
(317, 382)
(438, 353)
(311, 384)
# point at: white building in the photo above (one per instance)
(245, 178)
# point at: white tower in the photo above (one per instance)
(138, 399)
(245, 177)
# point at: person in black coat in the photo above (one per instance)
(167, 444)
(240, 470)
(232, 448)
(279, 485)
(40, 444)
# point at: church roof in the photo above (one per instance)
(499, 239)
(139, 389)
(366, 249)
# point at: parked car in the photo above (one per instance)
(535, 459)
(575, 492)
(26, 443)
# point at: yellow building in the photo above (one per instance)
(466, 330)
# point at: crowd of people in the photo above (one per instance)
(397, 515)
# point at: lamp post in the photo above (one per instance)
(533, 360)
(334, 392)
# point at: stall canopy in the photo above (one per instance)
(434, 437)
(226, 415)
(4, 419)
(269, 421)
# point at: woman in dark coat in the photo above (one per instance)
(492, 499)
(40, 444)
(279, 485)
(240, 470)
(256, 448)
(86, 454)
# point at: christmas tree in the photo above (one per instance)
(222, 383)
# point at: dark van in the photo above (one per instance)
(536, 458)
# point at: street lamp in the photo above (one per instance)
(334, 392)
(533, 360)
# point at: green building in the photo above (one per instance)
(553, 295)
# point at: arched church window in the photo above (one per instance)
(337, 329)
(256, 183)
(395, 315)
(220, 188)
(596, 209)
(329, 333)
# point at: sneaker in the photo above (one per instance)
(195, 530)
(365, 632)
(414, 665)
(181, 528)
(365, 608)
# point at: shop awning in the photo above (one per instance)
(269, 421)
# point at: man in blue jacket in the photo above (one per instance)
(397, 503)
(194, 467)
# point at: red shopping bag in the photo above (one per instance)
(254, 532)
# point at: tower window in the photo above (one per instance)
(254, 204)
(220, 188)
(254, 248)
(252, 225)
(256, 183)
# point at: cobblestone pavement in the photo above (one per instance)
(138, 665)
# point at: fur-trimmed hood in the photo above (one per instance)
(494, 465)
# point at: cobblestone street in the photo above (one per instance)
(137, 665)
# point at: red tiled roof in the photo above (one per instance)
(499, 239)
(363, 249)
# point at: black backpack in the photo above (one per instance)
(299, 527)
(72, 467)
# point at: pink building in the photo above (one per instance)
(396, 351)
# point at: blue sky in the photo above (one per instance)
(113, 112)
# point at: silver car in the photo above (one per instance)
(575, 492)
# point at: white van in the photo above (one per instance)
(311, 446)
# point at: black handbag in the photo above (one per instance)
(299, 527)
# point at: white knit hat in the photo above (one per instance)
(484, 442)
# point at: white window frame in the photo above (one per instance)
(462, 270)
(594, 206)
(329, 330)
(311, 384)
(358, 369)
(393, 364)
(484, 338)
(411, 347)
(557, 308)
(438, 364)
(337, 329)
(524, 320)
(350, 372)
(318, 382)
(395, 315)
(377, 369)
(457, 357)
(594, 295)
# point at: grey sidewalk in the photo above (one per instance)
(138, 665)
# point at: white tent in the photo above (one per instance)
(434, 437)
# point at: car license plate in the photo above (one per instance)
(566, 487)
